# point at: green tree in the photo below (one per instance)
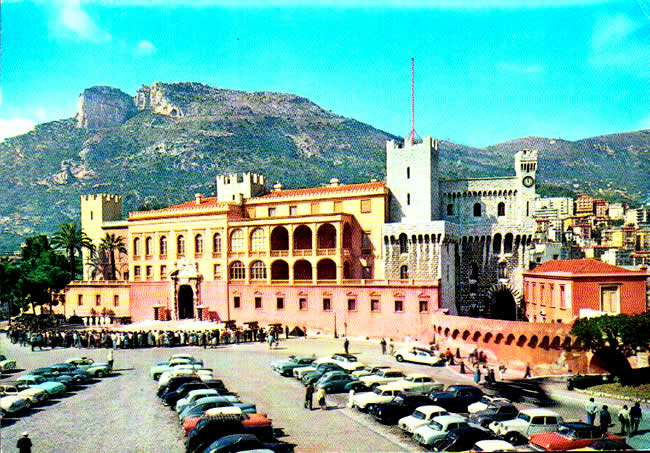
(72, 240)
(10, 294)
(111, 244)
(614, 338)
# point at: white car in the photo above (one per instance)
(437, 428)
(493, 445)
(381, 394)
(192, 396)
(527, 423)
(420, 417)
(419, 355)
(368, 370)
(35, 395)
(382, 377)
(348, 362)
(418, 383)
(13, 404)
(300, 372)
(6, 364)
(485, 402)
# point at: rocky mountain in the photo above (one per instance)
(169, 141)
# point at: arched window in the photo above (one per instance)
(198, 244)
(477, 209)
(258, 271)
(163, 245)
(180, 245)
(216, 243)
(148, 246)
(496, 246)
(403, 243)
(237, 243)
(501, 209)
(404, 272)
(507, 243)
(258, 240)
(450, 209)
(136, 247)
(473, 274)
(237, 271)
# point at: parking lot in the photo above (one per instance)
(122, 413)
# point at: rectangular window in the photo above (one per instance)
(80, 299)
(216, 271)
(315, 208)
(551, 298)
(271, 212)
(136, 272)
(279, 303)
(293, 210)
(366, 206)
(338, 206)
(399, 306)
(98, 299)
(236, 302)
(424, 306)
(374, 305)
(562, 297)
(258, 302)
(327, 304)
(302, 304)
(149, 271)
(366, 272)
(163, 272)
(542, 294)
(609, 299)
(116, 300)
(352, 305)
(366, 243)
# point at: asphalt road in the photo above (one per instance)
(122, 413)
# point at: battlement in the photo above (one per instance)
(426, 143)
(526, 162)
(102, 197)
(238, 186)
(100, 208)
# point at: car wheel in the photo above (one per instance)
(328, 389)
(99, 374)
(399, 358)
(513, 438)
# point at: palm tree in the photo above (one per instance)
(110, 244)
(73, 240)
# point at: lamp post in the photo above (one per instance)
(336, 335)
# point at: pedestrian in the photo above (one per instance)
(24, 444)
(502, 371)
(591, 409)
(490, 379)
(304, 331)
(351, 398)
(605, 420)
(346, 345)
(286, 332)
(383, 346)
(527, 373)
(624, 419)
(391, 346)
(271, 340)
(635, 418)
(320, 397)
(477, 374)
(309, 393)
(110, 358)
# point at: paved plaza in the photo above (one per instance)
(122, 413)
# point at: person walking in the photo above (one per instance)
(527, 374)
(605, 420)
(477, 374)
(351, 398)
(309, 394)
(110, 358)
(624, 419)
(592, 409)
(502, 371)
(346, 345)
(383, 346)
(635, 418)
(320, 397)
(24, 444)
(271, 340)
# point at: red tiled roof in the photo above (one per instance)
(326, 189)
(583, 266)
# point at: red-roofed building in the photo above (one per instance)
(563, 290)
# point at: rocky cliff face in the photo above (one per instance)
(101, 107)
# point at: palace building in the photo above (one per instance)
(375, 259)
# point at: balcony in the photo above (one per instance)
(279, 252)
(325, 252)
(303, 252)
(216, 254)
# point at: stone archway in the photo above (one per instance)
(185, 302)
(502, 302)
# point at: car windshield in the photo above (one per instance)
(378, 391)
(419, 415)
(436, 426)
(565, 431)
(523, 417)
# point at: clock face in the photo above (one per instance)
(528, 181)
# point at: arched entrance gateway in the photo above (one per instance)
(185, 302)
(502, 303)
(187, 294)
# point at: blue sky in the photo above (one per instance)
(486, 70)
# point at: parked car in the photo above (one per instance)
(456, 398)
(172, 397)
(195, 395)
(438, 428)
(522, 391)
(607, 445)
(528, 422)
(485, 402)
(493, 445)
(364, 401)
(94, 369)
(6, 364)
(35, 395)
(286, 367)
(14, 404)
(248, 442)
(176, 382)
(259, 423)
(419, 355)
(201, 405)
(51, 375)
(321, 370)
(51, 387)
(368, 370)
(497, 412)
(348, 362)
(299, 372)
(570, 436)
(208, 430)
(335, 381)
(420, 417)
(382, 377)
(419, 383)
(79, 375)
(403, 404)
(462, 439)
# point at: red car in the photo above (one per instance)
(249, 420)
(570, 436)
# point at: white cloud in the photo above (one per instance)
(144, 48)
(71, 18)
(618, 41)
(521, 68)
(15, 126)
(40, 114)
(645, 122)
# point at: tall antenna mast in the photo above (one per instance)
(413, 136)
